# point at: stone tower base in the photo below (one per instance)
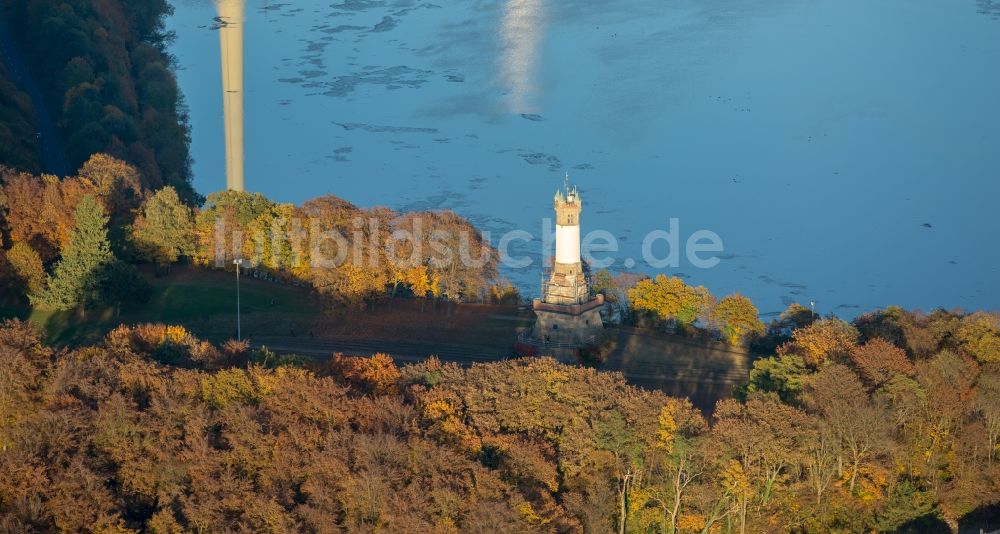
(574, 325)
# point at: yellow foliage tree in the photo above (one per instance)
(736, 317)
(980, 336)
(669, 298)
(736, 487)
(421, 281)
(350, 283)
(27, 268)
(666, 429)
(118, 185)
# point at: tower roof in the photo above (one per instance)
(568, 194)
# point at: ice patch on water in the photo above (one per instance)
(408, 10)
(358, 5)
(477, 183)
(330, 30)
(439, 201)
(390, 77)
(340, 154)
(383, 129)
(789, 285)
(990, 8)
(387, 24)
(541, 158)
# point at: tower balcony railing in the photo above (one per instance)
(574, 291)
(572, 309)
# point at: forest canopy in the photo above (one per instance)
(888, 424)
(39, 218)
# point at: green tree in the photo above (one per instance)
(736, 317)
(603, 283)
(781, 374)
(614, 436)
(108, 81)
(164, 230)
(76, 279)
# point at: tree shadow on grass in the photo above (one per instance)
(926, 524)
(14, 311)
(985, 519)
(75, 328)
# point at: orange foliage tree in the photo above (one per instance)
(822, 341)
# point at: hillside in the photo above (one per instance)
(154, 430)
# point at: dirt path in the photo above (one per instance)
(402, 351)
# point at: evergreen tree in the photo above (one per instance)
(76, 279)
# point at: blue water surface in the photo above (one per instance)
(846, 151)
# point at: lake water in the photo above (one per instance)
(846, 151)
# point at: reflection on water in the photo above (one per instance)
(231, 20)
(521, 32)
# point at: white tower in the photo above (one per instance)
(231, 17)
(567, 315)
(568, 206)
(567, 283)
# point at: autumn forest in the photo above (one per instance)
(885, 422)
(888, 424)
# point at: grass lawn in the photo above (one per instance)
(204, 302)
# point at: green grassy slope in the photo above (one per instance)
(203, 301)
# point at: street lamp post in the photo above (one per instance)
(238, 262)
